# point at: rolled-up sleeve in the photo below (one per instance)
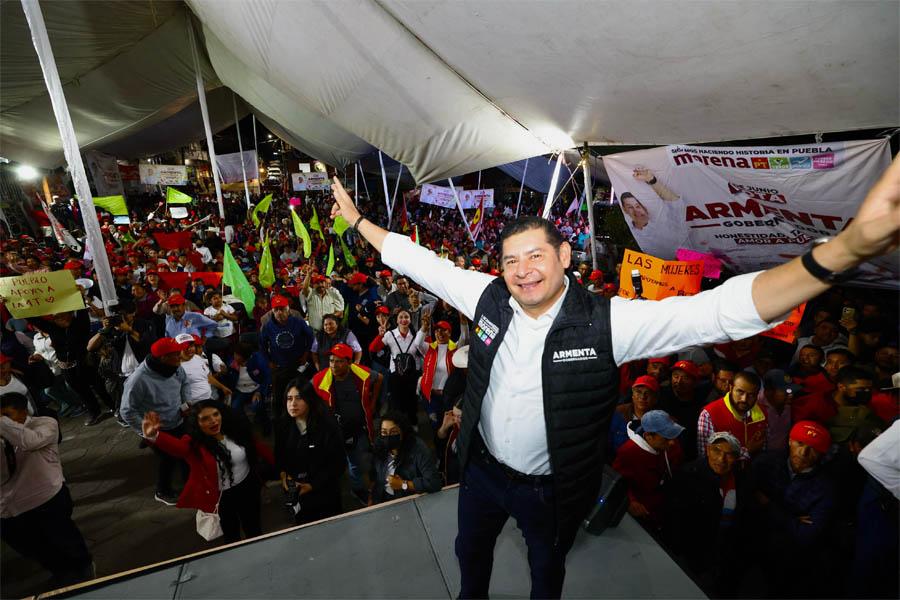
(459, 287)
(648, 329)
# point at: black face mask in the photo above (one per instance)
(386, 443)
(861, 397)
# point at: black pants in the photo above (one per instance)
(49, 535)
(239, 508)
(166, 463)
(280, 378)
(85, 380)
(487, 498)
(403, 395)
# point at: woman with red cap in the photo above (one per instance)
(438, 365)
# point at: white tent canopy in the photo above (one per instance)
(449, 88)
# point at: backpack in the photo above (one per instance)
(404, 362)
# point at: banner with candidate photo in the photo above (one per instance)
(751, 207)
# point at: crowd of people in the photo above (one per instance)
(750, 459)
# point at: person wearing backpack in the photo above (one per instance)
(406, 364)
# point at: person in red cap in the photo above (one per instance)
(350, 390)
(738, 413)
(596, 282)
(159, 385)
(438, 366)
(321, 299)
(791, 505)
(609, 290)
(285, 341)
(684, 401)
(385, 284)
(644, 398)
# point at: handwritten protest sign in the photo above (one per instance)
(787, 331)
(39, 294)
(712, 266)
(660, 278)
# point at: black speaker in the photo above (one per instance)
(611, 503)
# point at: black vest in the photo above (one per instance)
(580, 380)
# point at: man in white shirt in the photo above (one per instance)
(320, 300)
(196, 366)
(545, 469)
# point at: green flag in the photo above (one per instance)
(266, 269)
(301, 232)
(263, 207)
(173, 196)
(113, 204)
(330, 266)
(314, 224)
(417, 235)
(340, 225)
(128, 238)
(348, 258)
(234, 278)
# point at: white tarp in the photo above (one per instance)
(750, 207)
(453, 87)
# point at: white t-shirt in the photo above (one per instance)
(225, 327)
(15, 386)
(240, 468)
(245, 383)
(197, 371)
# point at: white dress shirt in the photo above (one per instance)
(512, 413)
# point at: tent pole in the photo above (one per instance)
(94, 238)
(355, 185)
(240, 149)
(588, 196)
(461, 213)
(521, 187)
(256, 149)
(201, 95)
(550, 195)
(396, 187)
(387, 198)
(362, 175)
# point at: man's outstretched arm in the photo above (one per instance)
(874, 231)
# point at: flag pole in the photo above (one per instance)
(586, 155)
(240, 149)
(521, 187)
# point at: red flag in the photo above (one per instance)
(209, 279)
(176, 280)
(173, 241)
(404, 220)
(478, 219)
(196, 259)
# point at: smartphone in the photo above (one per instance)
(848, 313)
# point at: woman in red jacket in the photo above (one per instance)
(223, 456)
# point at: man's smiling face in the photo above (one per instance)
(534, 270)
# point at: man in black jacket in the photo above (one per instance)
(544, 359)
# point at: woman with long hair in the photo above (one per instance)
(223, 455)
(309, 451)
(406, 364)
(403, 463)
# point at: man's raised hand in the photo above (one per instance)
(343, 205)
(875, 229)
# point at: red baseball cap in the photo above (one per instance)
(476, 262)
(383, 310)
(280, 301)
(197, 339)
(688, 367)
(495, 272)
(73, 264)
(609, 286)
(385, 273)
(152, 272)
(175, 300)
(166, 345)
(358, 278)
(318, 278)
(443, 325)
(646, 381)
(280, 271)
(4, 358)
(664, 360)
(596, 275)
(342, 350)
(813, 435)
(171, 258)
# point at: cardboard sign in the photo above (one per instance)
(39, 294)
(787, 331)
(712, 266)
(660, 278)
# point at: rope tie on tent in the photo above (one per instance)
(153, 13)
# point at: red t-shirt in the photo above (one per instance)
(886, 405)
(818, 407)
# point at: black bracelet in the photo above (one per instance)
(358, 221)
(652, 181)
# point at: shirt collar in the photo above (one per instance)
(551, 313)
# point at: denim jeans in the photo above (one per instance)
(355, 463)
(487, 498)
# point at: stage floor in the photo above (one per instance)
(399, 550)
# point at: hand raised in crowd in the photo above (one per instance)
(395, 481)
(382, 329)
(849, 323)
(426, 319)
(34, 358)
(876, 228)
(151, 425)
(162, 294)
(343, 204)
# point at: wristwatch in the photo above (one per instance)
(405, 486)
(820, 272)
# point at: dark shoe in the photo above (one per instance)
(166, 498)
(93, 419)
